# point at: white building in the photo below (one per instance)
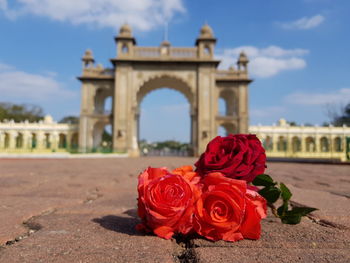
(283, 140)
(43, 136)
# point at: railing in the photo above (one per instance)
(146, 52)
(231, 74)
(158, 52)
(98, 72)
(183, 52)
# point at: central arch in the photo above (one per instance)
(161, 81)
(171, 82)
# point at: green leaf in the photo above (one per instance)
(285, 192)
(271, 194)
(263, 180)
(291, 219)
(303, 211)
(282, 209)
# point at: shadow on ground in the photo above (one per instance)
(120, 224)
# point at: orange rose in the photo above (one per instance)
(187, 172)
(165, 203)
(228, 211)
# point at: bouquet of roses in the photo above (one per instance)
(219, 200)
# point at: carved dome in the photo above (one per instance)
(243, 58)
(125, 30)
(88, 56)
(206, 31)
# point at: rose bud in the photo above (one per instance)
(239, 156)
(228, 211)
(165, 203)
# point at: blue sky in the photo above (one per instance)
(299, 53)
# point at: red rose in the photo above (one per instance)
(228, 211)
(165, 203)
(239, 156)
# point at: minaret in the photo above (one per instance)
(88, 59)
(125, 41)
(242, 62)
(206, 42)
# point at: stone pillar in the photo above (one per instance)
(206, 107)
(54, 140)
(289, 151)
(194, 132)
(86, 110)
(134, 150)
(123, 115)
(303, 143)
(317, 144)
(243, 108)
(274, 143)
(2, 140)
(26, 140)
(40, 140)
(12, 139)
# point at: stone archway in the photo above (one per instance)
(136, 71)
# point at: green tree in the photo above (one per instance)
(20, 112)
(70, 120)
(343, 118)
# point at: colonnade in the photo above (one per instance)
(283, 140)
(43, 136)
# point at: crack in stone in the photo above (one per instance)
(317, 220)
(346, 195)
(186, 251)
(31, 227)
(323, 222)
(93, 195)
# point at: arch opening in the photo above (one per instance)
(227, 103)
(103, 101)
(6, 140)
(310, 144)
(74, 141)
(165, 81)
(222, 107)
(19, 141)
(282, 144)
(296, 144)
(163, 120)
(338, 147)
(33, 141)
(102, 137)
(324, 143)
(268, 143)
(226, 128)
(62, 141)
(47, 140)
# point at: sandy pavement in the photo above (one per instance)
(84, 210)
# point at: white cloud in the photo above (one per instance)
(20, 86)
(4, 67)
(304, 23)
(141, 14)
(266, 62)
(3, 4)
(303, 98)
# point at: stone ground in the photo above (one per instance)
(84, 210)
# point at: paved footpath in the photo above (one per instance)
(84, 210)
